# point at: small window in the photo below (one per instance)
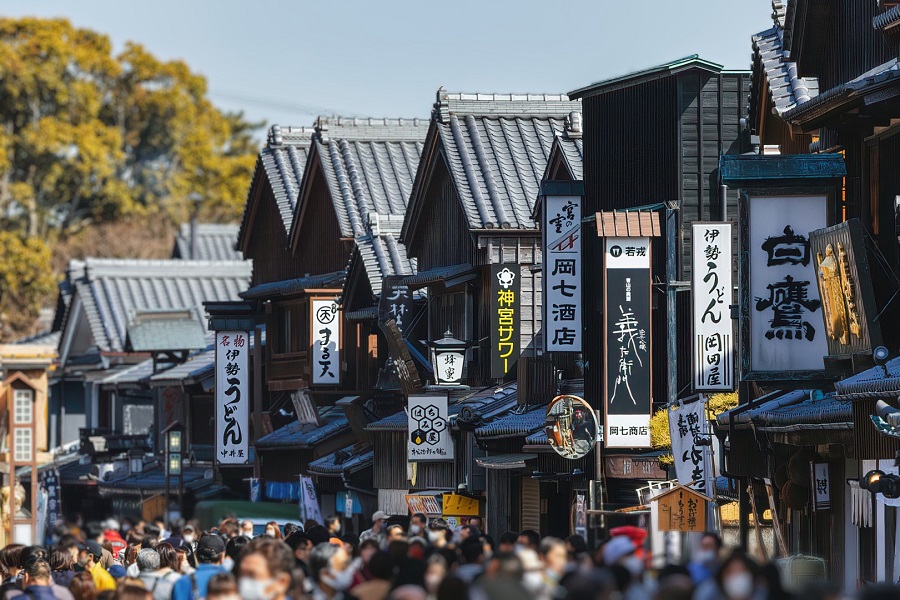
(22, 444)
(23, 406)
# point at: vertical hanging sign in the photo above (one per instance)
(688, 425)
(396, 301)
(627, 383)
(505, 303)
(787, 332)
(711, 294)
(232, 399)
(326, 343)
(562, 274)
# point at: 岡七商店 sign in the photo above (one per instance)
(505, 305)
(627, 341)
(428, 422)
(326, 343)
(562, 274)
(232, 399)
(711, 294)
(786, 326)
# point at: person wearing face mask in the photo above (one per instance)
(333, 525)
(437, 534)
(705, 562)
(377, 530)
(189, 536)
(555, 558)
(620, 551)
(435, 573)
(265, 570)
(247, 529)
(417, 524)
(89, 555)
(380, 568)
(737, 579)
(329, 567)
(210, 554)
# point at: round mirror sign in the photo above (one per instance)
(571, 426)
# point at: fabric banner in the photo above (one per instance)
(309, 501)
(49, 489)
(693, 464)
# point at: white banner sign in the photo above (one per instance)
(562, 274)
(309, 502)
(232, 398)
(326, 345)
(712, 288)
(429, 429)
(692, 462)
(821, 486)
(787, 332)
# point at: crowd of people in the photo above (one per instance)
(421, 559)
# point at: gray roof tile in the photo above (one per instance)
(156, 331)
(497, 147)
(214, 242)
(295, 435)
(381, 256)
(199, 366)
(786, 89)
(113, 290)
(293, 286)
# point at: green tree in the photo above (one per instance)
(26, 283)
(87, 136)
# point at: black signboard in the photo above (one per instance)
(396, 301)
(627, 343)
(505, 306)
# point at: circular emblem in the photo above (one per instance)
(506, 278)
(615, 251)
(325, 314)
(571, 426)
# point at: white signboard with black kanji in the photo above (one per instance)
(232, 398)
(429, 429)
(326, 343)
(562, 274)
(712, 289)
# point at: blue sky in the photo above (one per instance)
(283, 62)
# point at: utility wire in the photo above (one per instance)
(279, 103)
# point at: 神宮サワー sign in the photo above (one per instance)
(505, 302)
(428, 423)
(786, 326)
(627, 343)
(681, 509)
(232, 398)
(711, 294)
(562, 273)
(326, 343)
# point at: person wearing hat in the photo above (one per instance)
(89, 554)
(377, 530)
(210, 553)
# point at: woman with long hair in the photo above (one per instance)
(62, 567)
(273, 530)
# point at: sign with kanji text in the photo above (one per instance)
(821, 484)
(232, 398)
(326, 342)
(787, 332)
(396, 301)
(506, 292)
(309, 501)
(681, 509)
(562, 273)
(688, 424)
(712, 288)
(627, 382)
(428, 421)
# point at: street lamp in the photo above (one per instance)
(173, 439)
(448, 358)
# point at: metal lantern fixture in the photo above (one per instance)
(448, 358)
(173, 447)
(136, 460)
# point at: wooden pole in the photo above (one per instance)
(759, 540)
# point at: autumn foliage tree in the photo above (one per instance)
(90, 137)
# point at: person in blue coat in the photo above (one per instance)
(210, 554)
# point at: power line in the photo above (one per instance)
(280, 103)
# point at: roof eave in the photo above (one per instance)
(645, 76)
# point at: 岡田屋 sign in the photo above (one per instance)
(326, 342)
(504, 306)
(713, 340)
(428, 422)
(232, 398)
(562, 273)
(627, 343)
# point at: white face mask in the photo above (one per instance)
(415, 529)
(254, 589)
(533, 581)
(706, 556)
(340, 581)
(634, 564)
(738, 586)
(188, 539)
(432, 582)
(435, 536)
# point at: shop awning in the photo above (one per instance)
(505, 461)
(297, 436)
(515, 423)
(877, 382)
(153, 482)
(346, 460)
(449, 276)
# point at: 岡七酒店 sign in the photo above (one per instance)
(627, 342)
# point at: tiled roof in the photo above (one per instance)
(293, 435)
(132, 375)
(449, 276)
(876, 382)
(381, 255)
(395, 422)
(49, 338)
(369, 165)
(282, 160)
(816, 412)
(497, 147)
(870, 82)
(156, 331)
(637, 77)
(294, 286)
(517, 423)
(888, 18)
(199, 366)
(153, 481)
(348, 459)
(572, 151)
(486, 404)
(113, 290)
(213, 242)
(786, 89)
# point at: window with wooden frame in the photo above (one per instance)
(22, 444)
(23, 407)
(290, 328)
